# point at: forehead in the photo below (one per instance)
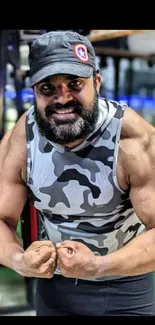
(60, 77)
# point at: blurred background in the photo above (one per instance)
(126, 59)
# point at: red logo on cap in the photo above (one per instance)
(81, 52)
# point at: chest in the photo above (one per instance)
(73, 184)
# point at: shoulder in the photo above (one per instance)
(137, 130)
(137, 145)
(19, 128)
(13, 147)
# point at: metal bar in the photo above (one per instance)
(101, 35)
(26, 236)
(130, 79)
(99, 50)
(4, 35)
(116, 64)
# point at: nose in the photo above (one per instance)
(62, 94)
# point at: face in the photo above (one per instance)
(66, 107)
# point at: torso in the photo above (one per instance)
(89, 211)
(80, 193)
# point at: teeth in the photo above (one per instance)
(64, 111)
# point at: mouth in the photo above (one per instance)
(62, 114)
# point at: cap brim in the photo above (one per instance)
(80, 70)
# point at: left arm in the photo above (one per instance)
(138, 255)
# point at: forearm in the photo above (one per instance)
(11, 248)
(137, 257)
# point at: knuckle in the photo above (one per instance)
(34, 244)
(33, 264)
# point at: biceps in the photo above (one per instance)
(12, 200)
(143, 200)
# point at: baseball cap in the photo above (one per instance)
(61, 52)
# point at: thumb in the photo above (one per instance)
(65, 252)
(67, 244)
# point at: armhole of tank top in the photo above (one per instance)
(118, 132)
(28, 151)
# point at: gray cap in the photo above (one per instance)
(61, 52)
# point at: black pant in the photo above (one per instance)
(61, 296)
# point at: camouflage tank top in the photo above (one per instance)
(76, 192)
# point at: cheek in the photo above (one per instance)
(41, 101)
(41, 104)
(86, 99)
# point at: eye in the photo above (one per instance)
(47, 89)
(75, 84)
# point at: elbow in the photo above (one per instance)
(8, 222)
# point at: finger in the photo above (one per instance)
(50, 264)
(42, 243)
(52, 249)
(54, 255)
(46, 267)
(46, 270)
(63, 243)
(43, 254)
(69, 244)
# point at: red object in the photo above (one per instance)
(33, 222)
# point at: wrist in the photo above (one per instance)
(17, 262)
(104, 266)
(99, 267)
(108, 265)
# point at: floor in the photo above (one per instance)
(13, 293)
(24, 313)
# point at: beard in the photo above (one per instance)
(69, 130)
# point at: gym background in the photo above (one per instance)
(126, 60)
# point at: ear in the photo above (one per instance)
(98, 82)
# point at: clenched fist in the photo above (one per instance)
(39, 260)
(76, 260)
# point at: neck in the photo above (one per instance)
(74, 144)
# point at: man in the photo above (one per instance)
(88, 166)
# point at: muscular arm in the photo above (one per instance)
(13, 193)
(137, 158)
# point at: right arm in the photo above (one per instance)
(13, 196)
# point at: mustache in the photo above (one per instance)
(51, 108)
